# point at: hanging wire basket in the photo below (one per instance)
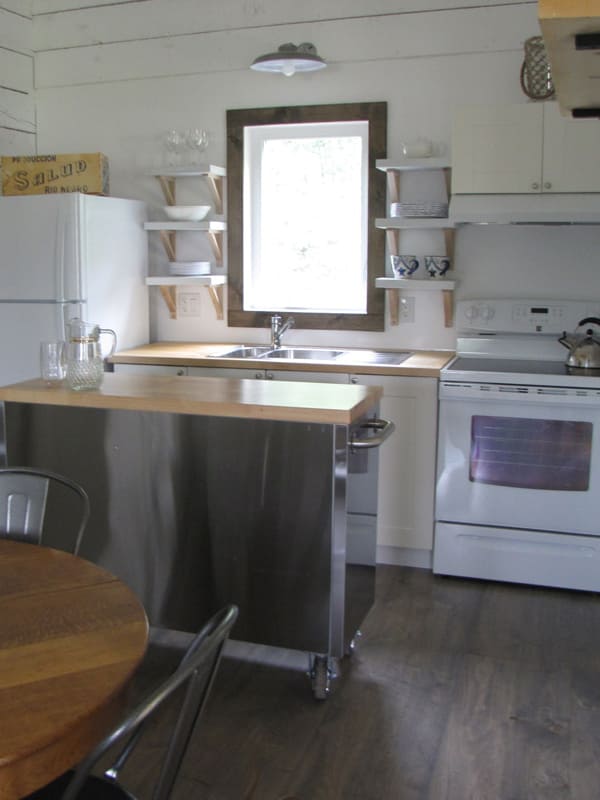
(536, 77)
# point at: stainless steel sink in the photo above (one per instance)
(303, 354)
(243, 351)
(267, 353)
(373, 357)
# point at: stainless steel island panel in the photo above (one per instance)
(195, 512)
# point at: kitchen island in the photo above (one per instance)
(209, 491)
(407, 467)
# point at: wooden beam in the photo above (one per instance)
(575, 73)
(568, 9)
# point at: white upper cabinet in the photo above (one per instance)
(571, 152)
(497, 150)
(524, 148)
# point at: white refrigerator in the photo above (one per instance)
(63, 256)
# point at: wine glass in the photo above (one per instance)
(173, 142)
(197, 141)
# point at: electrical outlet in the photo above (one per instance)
(189, 304)
(407, 309)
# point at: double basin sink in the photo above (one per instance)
(338, 356)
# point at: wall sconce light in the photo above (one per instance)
(289, 59)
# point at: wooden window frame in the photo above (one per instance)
(237, 119)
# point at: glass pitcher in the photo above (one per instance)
(85, 359)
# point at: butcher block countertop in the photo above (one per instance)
(327, 403)
(422, 363)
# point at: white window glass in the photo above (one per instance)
(305, 217)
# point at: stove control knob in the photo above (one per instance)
(471, 312)
(486, 313)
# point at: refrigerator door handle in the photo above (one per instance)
(59, 253)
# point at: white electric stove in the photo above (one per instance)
(518, 479)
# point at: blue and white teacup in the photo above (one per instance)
(437, 266)
(404, 266)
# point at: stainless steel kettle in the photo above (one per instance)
(584, 347)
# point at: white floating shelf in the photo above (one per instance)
(187, 280)
(211, 225)
(407, 223)
(191, 171)
(416, 284)
(411, 164)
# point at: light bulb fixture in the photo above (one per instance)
(289, 59)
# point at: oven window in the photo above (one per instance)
(531, 453)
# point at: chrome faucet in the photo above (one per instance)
(278, 329)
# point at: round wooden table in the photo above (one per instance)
(71, 637)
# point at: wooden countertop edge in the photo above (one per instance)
(219, 397)
(423, 363)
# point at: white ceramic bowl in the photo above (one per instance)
(186, 213)
(189, 267)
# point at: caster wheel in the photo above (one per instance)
(321, 671)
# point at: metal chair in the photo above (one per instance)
(197, 669)
(23, 501)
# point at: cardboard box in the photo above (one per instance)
(52, 174)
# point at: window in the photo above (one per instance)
(303, 194)
(296, 238)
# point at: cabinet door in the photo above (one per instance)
(571, 152)
(406, 462)
(151, 369)
(497, 149)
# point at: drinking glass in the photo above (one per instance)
(197, 141)
(174, 142)
(52, 362)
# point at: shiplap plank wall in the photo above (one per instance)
(17, 112)
(22, 7)
(56, 6)
(146, 19)
(115, 76)
(347, 40)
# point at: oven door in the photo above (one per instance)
(519, 457)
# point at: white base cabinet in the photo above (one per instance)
(406, 469)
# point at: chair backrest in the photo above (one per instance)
(23, 501)
(197, 668)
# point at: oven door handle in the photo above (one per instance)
(384, 428)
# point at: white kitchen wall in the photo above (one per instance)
(114, 76)
(17, 113)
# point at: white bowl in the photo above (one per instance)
(186, 213)
(190, 267)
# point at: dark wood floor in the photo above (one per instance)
(459, 690)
